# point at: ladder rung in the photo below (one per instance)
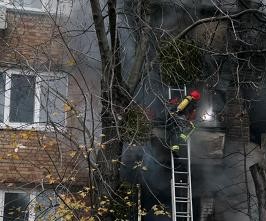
(173, 89)
(183, 187)
(182, 213)
(185, 184)
(182, 201)
(183, 216)
(180, 158)
(181, 172)
(182, 198)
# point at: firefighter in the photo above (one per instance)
(187, 106)
(186, 112)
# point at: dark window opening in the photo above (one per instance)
(22, 98)
(16, 207)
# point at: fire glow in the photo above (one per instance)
(208, 115)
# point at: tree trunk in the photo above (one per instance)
(115, 93)
(259, 177)
(143, 10)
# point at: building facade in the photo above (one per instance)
(40, 155)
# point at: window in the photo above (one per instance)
(63, 6)
(27, 3)
(16, 205)
(22, 98)
(29, 100)
(46, 206)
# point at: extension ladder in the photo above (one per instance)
(181, 191)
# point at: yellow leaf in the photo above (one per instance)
(83, 194)
(71, 62)
(68, 217)
(129, 203)
(72, 153)
(67, 107)
(159, 212)
(102, 202)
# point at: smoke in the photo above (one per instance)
(222, 176)
(149, 164)
(153, 173)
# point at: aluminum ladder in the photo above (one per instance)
(181, 191)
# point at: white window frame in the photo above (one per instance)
(31, 208)
(36, 125)
(36, 111)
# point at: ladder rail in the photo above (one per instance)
(187, 199)
(173, 188)
(189, 177)
(176, 89)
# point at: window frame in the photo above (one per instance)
(43, 9)
(36, 124)
(7, 99)
(32, 203)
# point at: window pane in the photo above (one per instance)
(2, 96)
(27, 3)
(16, 207)
(22, 98)
(32, 4)
(46, 206)
(53, 96)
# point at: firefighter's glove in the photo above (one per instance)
(184, 137)
(175, 148)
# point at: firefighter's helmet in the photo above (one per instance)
(195, 95)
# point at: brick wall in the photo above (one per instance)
(30, 38)
(34, 156)
(237, 122)
(207, 209)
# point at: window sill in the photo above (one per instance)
(32, 126)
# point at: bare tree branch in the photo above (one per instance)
(218, 18)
